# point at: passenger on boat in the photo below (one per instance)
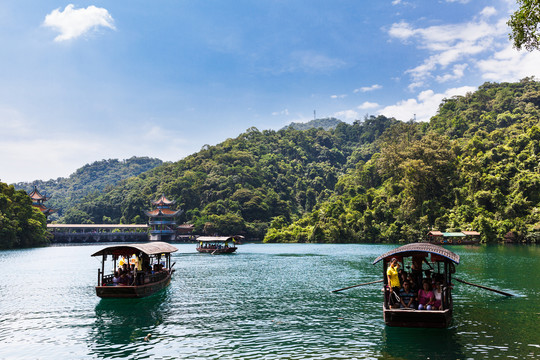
(437, 292)
(402, 276)
(416, 270)
(407, 297)
(115, 278)
(426, 298)
(393, 282)
(412, 283)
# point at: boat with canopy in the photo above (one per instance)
(441, 263)
(217, 244)
(138, 270)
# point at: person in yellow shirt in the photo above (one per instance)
(393, 281)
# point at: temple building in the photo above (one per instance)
(38, 200)
(162, 221)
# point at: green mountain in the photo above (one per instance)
(326, 124)
(473, 166)
(95, 177)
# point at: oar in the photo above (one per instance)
(350, 287)
(485, 287)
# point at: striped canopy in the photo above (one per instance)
(416, 248)
(152, 248)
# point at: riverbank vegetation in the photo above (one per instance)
(475, 165)
(21, 225)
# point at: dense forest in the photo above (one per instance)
(95, 177)
(475, 165)
(21, 225)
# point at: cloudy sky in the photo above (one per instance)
(92, 80)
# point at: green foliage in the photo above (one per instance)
(95, 177)
(474, 166)
(21, 225)
(242, 184)
(524, 24)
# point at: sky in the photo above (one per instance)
(91, 80)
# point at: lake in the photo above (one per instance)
(267, 301)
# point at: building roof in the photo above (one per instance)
(152, 248)
(415, 248)
(36, 195)
(163, 212)
(471, 233)
(435, 233)
(162, 201)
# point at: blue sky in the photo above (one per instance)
(91, 80)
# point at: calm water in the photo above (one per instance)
(265, 302)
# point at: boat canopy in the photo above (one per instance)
(415, 248)
(215, 238)
(153, 248)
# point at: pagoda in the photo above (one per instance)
(38, 200)
(162, 220)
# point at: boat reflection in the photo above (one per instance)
(425, 343)
(121, 325)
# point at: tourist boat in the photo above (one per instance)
(441, 264)
(151, 270)
(217, 244)
(453, 238)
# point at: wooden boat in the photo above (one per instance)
(441, 263)
(453, 238)
(216, 244)
(151, 270)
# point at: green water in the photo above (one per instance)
(265, 302)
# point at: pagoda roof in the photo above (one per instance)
(36, 195)
(44, 209)
(163, 201)
(163, 212)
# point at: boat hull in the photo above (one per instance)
(138, 291)
(418, 318)
(228, 250)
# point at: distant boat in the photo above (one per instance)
(151, 272)
(443, 266)
(453, 238)
(217, 244)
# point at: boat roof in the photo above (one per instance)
(152, 248)
(215, 238)
(415, 248)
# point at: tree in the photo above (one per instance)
(524, 25)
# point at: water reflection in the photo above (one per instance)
(122, 326)
(413, 343)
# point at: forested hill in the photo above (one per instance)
(473, 166)
(326, 124)
(95, 177)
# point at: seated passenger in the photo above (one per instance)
(426, 297)
(437, 292)
(115, 278)
(406, 296)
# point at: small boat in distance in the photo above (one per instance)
(143, 269)
(217, 244)
(453, 238)
(441, 264)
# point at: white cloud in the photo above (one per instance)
(457, 73)
(368, 88)
(310, 61)
(424, 106)
(488, 11)
(368, 105)
(282, 112)
(342, 96)
(346, 115)
(72, 23)
(449, 46)
(510, 65)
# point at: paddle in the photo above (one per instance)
(350, 287)
(484, 287)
